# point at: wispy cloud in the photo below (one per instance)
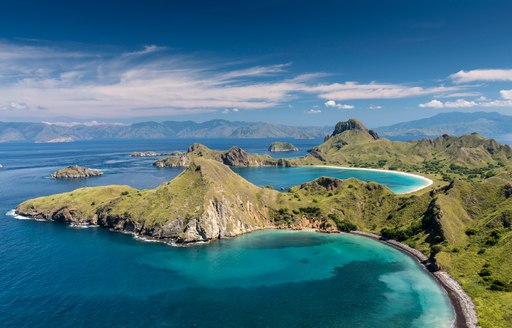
(354, 90)
(14, 106)
(157, 81)
(314, 111)
(482, 75)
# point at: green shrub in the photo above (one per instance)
(342, 224)
(471, 231)
(485, 272)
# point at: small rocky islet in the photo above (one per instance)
(280, 146)
(75, 172)
(155, 154)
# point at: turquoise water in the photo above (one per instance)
(52, 275)
(286, 177)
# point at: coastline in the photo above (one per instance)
(465, 313)
(428, 182)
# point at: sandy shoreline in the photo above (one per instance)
(465, 313)
(427, 181)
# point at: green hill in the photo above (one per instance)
(446, 157)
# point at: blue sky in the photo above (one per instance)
(289, 62)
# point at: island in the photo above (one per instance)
(235, 156)
(460, 227)
(280, 146)
(75, 172)
(155, 154)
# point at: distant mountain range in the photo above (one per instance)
(453, 123)
(51, 132)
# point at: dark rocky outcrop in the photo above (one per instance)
(235, 156)
(326, 183)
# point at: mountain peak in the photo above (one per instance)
(352, 125)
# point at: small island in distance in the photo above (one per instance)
(280, 146)
(75, 172)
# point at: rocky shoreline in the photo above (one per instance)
(465, 313)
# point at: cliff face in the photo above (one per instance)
(75, 172)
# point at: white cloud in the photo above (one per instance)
(313, 111)
(375, 107)
(227, 110)
(506, 94)
(482, 75)
(432, 104)
(332, 103)
(462, 103)
(14, 106)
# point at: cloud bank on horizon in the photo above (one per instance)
(53, 81)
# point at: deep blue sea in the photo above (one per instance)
(52, 275)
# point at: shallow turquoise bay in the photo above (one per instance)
(286, 177)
